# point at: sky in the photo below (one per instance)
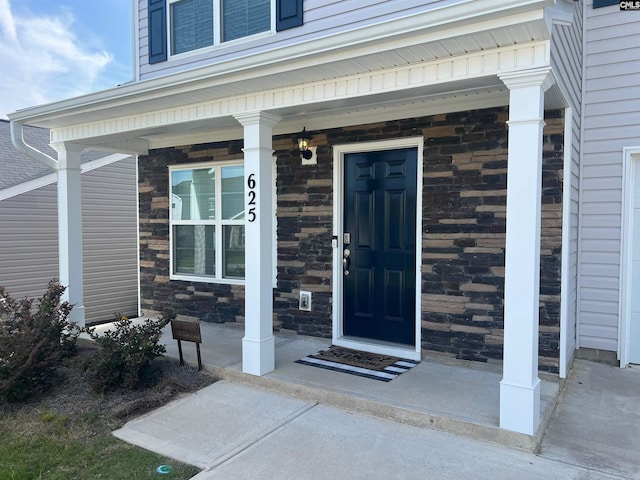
(56, 49)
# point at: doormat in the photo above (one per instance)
(363, 364)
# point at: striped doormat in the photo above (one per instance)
(355, 362)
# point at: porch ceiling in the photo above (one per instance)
(510, 36)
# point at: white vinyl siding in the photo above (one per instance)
(29, 241)
(566, 58)
(321, 18)
(611, 122)
(110, 240)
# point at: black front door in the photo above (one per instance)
(379, 257)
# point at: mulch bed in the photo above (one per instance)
(73, 396)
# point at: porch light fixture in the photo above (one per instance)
(303, 144)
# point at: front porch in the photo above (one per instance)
(440, 393)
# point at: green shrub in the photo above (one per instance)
(126, 352)
(33, 342)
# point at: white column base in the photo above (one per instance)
(77, 315)
(258, 356)
(520, 407)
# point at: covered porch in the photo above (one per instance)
(407, 75)
(460, 397)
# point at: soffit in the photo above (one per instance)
(293, 69)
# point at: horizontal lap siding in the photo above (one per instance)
(321, 18)
(110, 240)
(29, 241)
(566, 55)
(610, 124)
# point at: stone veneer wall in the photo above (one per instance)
(464, 210)
(464, 206)
(209, 302)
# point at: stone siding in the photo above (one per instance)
(464, 209)
(209, 302)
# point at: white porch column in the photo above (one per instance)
(258, 344)
(520, 385)
(70, 227)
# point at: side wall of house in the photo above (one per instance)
(566, 59)
(611, 106)
(464, 206)
(110, 240)
(321, 18)
(29, 241)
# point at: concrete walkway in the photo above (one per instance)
(301, 422)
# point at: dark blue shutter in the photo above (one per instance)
(288, 14)
(157, 15)
(605, 3)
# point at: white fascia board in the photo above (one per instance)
(53, 177)
(401, 83)
(561, 14)
(408, 108)
(431, 25)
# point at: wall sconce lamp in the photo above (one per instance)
(307, 153)
(303, 144)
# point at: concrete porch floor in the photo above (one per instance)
(454, 396)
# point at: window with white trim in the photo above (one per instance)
(196, 24)
(207, 222)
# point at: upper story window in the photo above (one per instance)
(195, 24)
(180, 26)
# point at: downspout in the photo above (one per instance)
(17, 138)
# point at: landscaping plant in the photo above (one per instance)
(126, 352)
(33, 341)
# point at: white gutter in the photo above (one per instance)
(17, 138)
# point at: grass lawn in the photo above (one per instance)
(66, 434)
(60, 450)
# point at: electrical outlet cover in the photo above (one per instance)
(305, 301)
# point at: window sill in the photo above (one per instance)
(195, 278)
(220, 46)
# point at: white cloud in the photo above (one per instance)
(42, 60)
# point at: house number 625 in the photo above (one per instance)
(251, 183)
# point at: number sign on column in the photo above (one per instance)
(251, 183)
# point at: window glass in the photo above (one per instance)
(241, 18)
(193, 194)
(191, 25)
(233, 192)
(233, 251)
(207, 222)
(194, 249)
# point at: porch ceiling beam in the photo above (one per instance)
(384, 85)
(130, 146)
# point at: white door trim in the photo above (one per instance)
(630, 158)
(338, 337)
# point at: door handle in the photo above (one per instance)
(346, 261)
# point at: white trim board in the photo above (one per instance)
(630, 158)
(50, 178)
(338, 206)
(566, 356)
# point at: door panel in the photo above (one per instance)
(380, 216)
